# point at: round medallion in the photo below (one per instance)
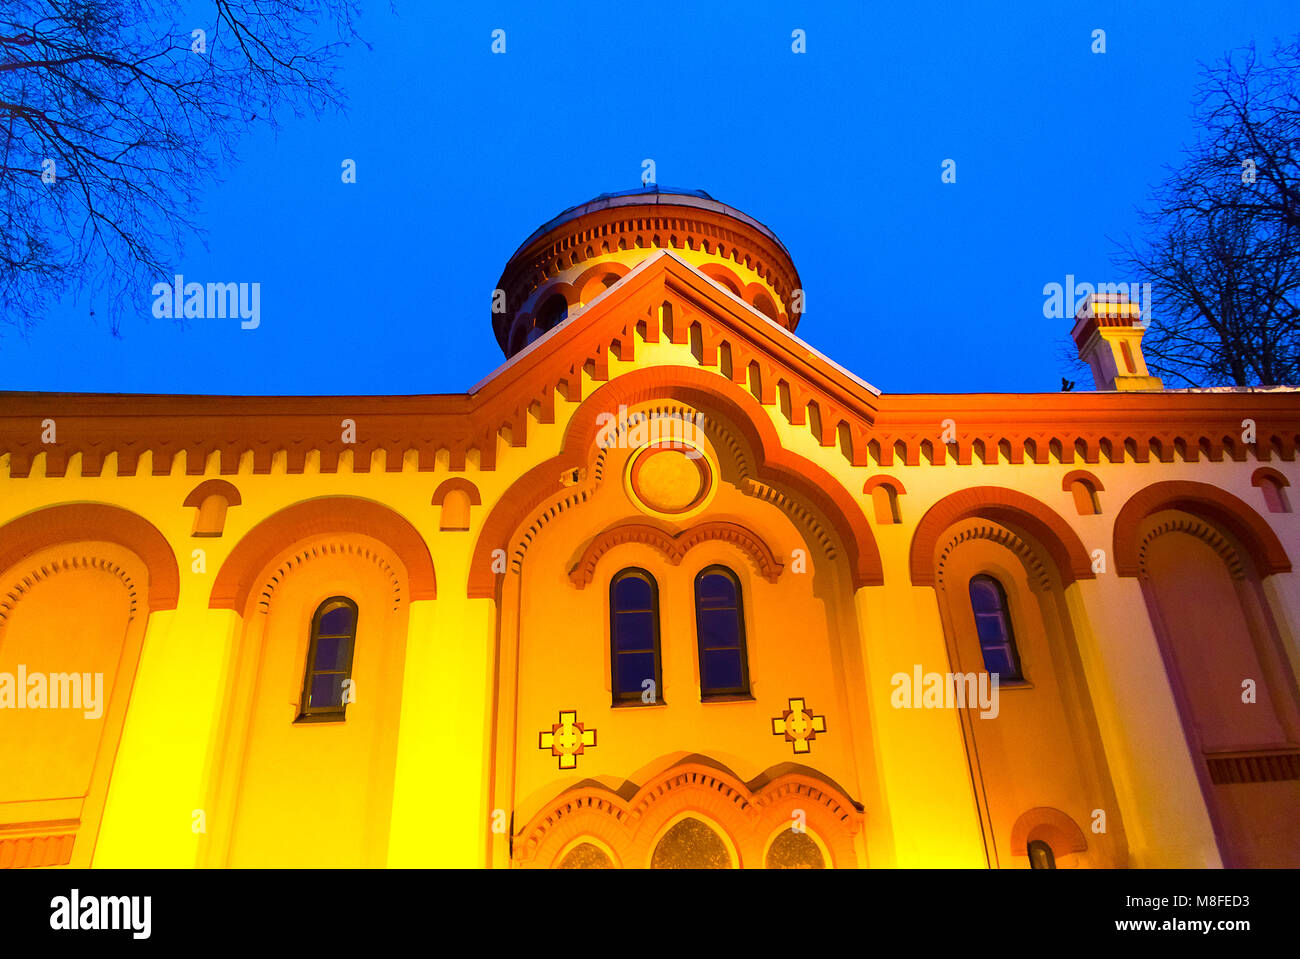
(672, 478)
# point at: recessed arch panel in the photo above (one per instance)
(79, 522)
(1207, 502)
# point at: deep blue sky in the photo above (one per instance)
(383, 287)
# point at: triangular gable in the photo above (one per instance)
(611, 322)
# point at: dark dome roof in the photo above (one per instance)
(653, 194)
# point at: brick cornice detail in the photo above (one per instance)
(1034, 428)
(674, 547)
(655, 226)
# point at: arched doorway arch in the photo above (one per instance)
(77, 584)
(1000, 563)
(1200, 555)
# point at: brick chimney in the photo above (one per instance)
(1108, 332)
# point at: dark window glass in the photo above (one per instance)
(720, 631)
(329, 660)
(553, 312)
(988, 601)
(1041, 856)
(634, 635)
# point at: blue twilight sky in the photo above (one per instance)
(383, 287)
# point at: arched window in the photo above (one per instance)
(720, 631)
(1274, 495)
(553, 312)
(885, 499)
(794, 850)
(1085, 498)
(1041, 856)
(634, 636)
(586, 855)
(988, 601)
(691, 844)
(329, 661)
(455, 511)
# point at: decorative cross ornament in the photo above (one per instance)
(798, 725)
(567, 739)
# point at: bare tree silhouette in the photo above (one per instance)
(114, 114)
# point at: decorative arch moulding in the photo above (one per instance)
(882, 480)
(456, 484)
(744, 810)
(1007, 507)
(674, 546)
(1268, 474)
(1216, 506)
(331, 515)
(1081, 476)
(712, 395)
(79, 522)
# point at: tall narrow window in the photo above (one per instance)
(720, 630)
(634, 637)
(988, 601)
(329, 661)
(1274, 495)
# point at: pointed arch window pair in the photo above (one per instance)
(635, 654)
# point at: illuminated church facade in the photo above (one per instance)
(668, 588)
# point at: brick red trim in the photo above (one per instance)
(747, 812)
(1050, 825)
(1258, 477)
(31, 851)
(1005, 506)
(883, 480)
(331, 514)
(1210, 503)
(674, 547)
(213, 487)
(456, 483)
(1084, 475)
(654, 226)
(79, 522)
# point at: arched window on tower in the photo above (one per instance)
(552, 313)
(720, 631)
(326, 687)
(634, 637)
(988, 602)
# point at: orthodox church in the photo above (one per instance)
(668, 588)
